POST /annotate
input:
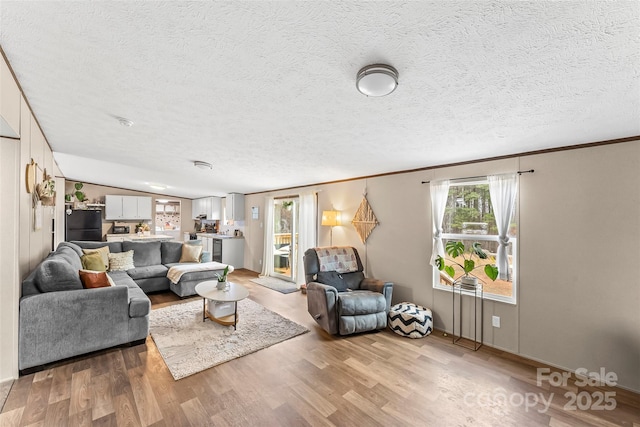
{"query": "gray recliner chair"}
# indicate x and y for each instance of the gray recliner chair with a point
(345, 302)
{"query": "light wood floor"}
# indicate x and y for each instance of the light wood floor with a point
(311, 380)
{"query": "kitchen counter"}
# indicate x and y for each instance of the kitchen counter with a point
(136, 238)
(218, 236)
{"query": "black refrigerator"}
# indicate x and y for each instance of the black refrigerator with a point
(83, 224)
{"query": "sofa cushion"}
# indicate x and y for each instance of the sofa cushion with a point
(77, 249)
(144, 253)
(113, 246)
(94, 279)
(191, 253)
(69, 255)
(170, 252)
(198, 275)
(104, 253)
(121, 261)
(93, 261)
(148, 272)
(55, 274)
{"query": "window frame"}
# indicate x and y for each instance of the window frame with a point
(513, 243)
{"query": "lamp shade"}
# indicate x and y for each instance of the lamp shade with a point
(330, 218)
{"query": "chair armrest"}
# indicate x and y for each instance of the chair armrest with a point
(375, 285)
(321, 304)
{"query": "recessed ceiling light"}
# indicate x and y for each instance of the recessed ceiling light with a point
(125, 122)
(202, 165)
(157, 187)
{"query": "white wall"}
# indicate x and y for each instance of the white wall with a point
(578, 294)
(21, 247)
(9, 276)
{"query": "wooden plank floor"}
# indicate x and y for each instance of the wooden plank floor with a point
(374, 379)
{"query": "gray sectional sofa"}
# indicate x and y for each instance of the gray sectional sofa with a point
(61, 319)
(152, 261)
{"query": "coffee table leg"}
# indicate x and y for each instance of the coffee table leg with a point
(204, 309)
(235, 315)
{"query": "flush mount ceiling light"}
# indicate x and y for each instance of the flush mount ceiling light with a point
(125, 122)
(202, 165)
(377, 80)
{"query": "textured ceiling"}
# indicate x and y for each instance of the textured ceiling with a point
(266, 90)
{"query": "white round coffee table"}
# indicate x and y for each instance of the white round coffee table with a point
(219, 299)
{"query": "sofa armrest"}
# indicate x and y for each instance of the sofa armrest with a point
(321, 304)
(375, 285)
(206, 256)
(58, 325)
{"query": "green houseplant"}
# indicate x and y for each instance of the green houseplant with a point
(470, 257)
(80, 196)
(222, 278)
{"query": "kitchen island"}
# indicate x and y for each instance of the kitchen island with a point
(224, 248)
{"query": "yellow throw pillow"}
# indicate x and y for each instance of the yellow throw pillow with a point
(93, 261)
(191, 253)
(121, 261)
(103, 251)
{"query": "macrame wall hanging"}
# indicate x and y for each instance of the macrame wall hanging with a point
(364, 220)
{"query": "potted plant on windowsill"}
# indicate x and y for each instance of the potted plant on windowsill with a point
(222, 279)
(455, 250)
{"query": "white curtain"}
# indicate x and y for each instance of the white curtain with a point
(439, 193)
(307, 226)
(267, 253)
(503, 189)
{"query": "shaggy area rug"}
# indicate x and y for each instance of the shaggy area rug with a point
(276, 284)
(188, 345)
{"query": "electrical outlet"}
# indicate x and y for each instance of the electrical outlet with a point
(495, 321)
(260, 262)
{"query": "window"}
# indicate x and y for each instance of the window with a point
(167, 215)
(469, 217)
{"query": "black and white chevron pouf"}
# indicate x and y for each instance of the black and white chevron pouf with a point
(410, 320)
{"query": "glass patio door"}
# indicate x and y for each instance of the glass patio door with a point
(285, 237)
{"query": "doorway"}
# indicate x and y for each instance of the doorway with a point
(285, 237)
(168, 218)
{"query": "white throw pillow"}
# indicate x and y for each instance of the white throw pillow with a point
(121, 261)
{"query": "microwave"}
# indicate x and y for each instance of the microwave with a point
(121, 229)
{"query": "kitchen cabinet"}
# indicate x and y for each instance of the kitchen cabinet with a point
(234, 207)
(207, 242)
(199, 207)
(233, 252)
(127, 207)
(225, 250)
(209, 206)
(216, 208)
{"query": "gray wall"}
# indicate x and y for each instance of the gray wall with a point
(578, 293)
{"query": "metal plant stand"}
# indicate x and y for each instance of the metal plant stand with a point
(474, 292)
